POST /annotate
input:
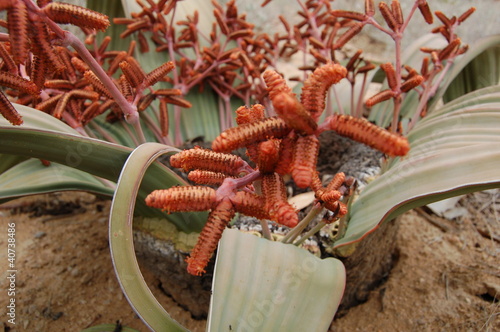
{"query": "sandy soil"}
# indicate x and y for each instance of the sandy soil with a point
(447, 277)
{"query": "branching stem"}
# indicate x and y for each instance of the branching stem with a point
(68, 38)
(294, 232)
(310, 233)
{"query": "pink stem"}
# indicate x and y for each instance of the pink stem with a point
(229, 186)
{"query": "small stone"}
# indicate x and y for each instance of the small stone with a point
(56, 315)
(86, 279)
(493, 290)
(75, 272)
(40, 234)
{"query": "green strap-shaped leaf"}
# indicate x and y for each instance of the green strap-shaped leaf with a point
(477, 68)
(121, 239)
(36, 119)
(481, 96)
(482, 71)
(31, 177)
(42, 136)
(421, 181)
(261, 285)
(98, 158)
(32, 119)
(453, 151)
(9, 161)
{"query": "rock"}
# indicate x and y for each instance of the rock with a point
(40, 234)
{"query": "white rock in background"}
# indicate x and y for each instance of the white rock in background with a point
(448, 208)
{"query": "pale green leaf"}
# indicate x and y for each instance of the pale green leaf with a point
(9, 161)
(43, 136)
(421, 181)
(453, 151)
(32, 119)
(487, 49)
(261, 285)
(118, 132)
(31, 177)
(203, 118)
(122, 243)
(482, 96)
(482, 71)
(36, 119)
(109, 328)
(97, 157)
